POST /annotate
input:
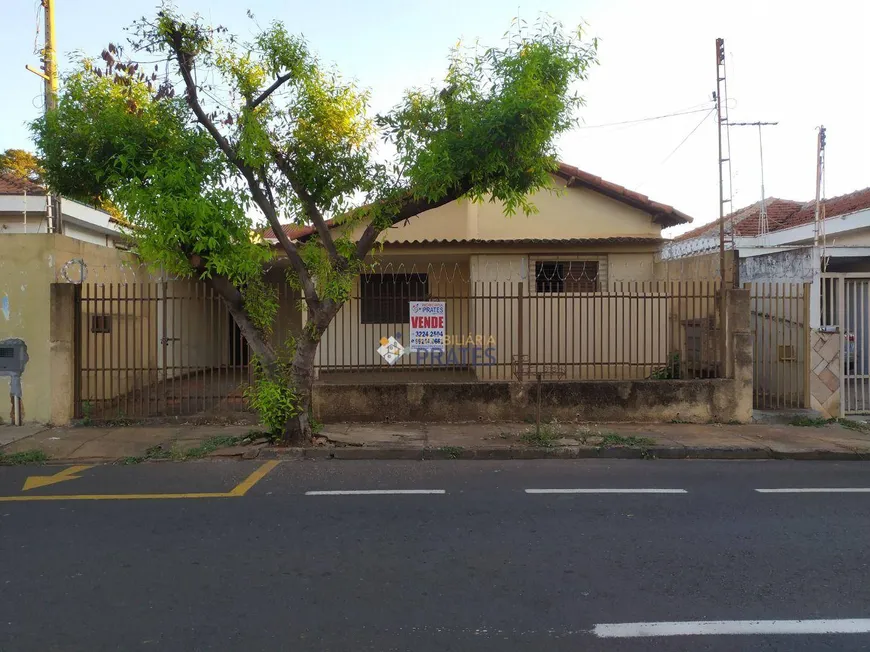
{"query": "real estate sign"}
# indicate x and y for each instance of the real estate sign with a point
(428, 321)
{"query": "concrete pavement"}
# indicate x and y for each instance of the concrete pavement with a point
(305, 561)
(78, 445)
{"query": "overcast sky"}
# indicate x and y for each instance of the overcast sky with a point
(797, 62)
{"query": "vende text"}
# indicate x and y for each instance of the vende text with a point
(436, 321)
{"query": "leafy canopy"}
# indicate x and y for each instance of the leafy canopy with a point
(223, 129)
(21, 164)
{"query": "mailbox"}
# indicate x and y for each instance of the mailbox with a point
(13, 355)
(13, 358)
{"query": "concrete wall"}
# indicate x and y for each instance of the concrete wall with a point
(29, 264)
(697, 401)
(792, 266)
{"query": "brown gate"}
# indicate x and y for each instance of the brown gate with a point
(157, 349)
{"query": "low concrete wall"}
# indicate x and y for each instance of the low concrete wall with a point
(721, 399)
(696, 401)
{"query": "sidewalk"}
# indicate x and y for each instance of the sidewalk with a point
(132, 444)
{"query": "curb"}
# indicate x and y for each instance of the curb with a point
(562, 452)
(503, 454)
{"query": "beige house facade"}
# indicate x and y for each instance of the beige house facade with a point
(573, 291)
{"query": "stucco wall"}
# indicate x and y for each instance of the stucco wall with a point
(792, 266)
(29, 264)
(561, 213)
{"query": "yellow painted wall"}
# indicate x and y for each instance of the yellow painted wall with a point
(562, 213)
(570, 213)
(29, 263)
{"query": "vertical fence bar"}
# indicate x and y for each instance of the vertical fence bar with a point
(86, 336)
(520, 331)
(102, 391)
(77, 351)
(129, 324)
(807, 342)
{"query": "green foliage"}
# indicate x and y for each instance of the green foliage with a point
(493, 126)
(21, 458)
(671, 371)
(273, 397)
(811, 422)
(261, 304)
(116, 142)
(21, 164)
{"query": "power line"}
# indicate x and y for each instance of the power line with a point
(655, 117)
(683, 142)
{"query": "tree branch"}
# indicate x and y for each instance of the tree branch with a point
(253, 104)
(312, 212)
(185, 61)
(234, 302)
(408, 208)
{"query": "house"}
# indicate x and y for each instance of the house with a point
(86, 247)
(833, 259)
(519, 293)
(23, 210)
(460, 312)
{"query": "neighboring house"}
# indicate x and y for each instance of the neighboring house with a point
(23, 210)
(833, 260)
(86, 247)
(787, 251)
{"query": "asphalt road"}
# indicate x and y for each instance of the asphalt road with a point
(482, 566)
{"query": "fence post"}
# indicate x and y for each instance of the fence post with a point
(808, 289)
(62, 352)
(520, 331)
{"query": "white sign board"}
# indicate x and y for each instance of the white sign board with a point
(428, 320)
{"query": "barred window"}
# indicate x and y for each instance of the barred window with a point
(384, 298)
(567, 276)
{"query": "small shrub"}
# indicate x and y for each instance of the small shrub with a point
(273, 398)
(453, 452)
(669, 372)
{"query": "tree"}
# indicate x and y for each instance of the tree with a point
(221, 127)
(21, 164)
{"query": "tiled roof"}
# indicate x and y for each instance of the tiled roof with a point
(782, 214)
(662, 213)
(12, 185)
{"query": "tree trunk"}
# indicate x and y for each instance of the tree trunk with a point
(297, 431)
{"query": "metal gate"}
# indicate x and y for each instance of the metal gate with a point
(854, 352)
(780, 316)
(157, 349)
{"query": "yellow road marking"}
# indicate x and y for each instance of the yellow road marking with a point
(238, 491)
(245, 485)
(36, 481)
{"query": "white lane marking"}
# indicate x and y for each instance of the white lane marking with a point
(376, 492)
(816, 490)
(606, 491)
(741, 627)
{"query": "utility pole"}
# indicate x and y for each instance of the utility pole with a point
(819, 223)
(49, 76)
(722, 120)
(763, 225)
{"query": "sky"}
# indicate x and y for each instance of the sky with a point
(799, 63)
